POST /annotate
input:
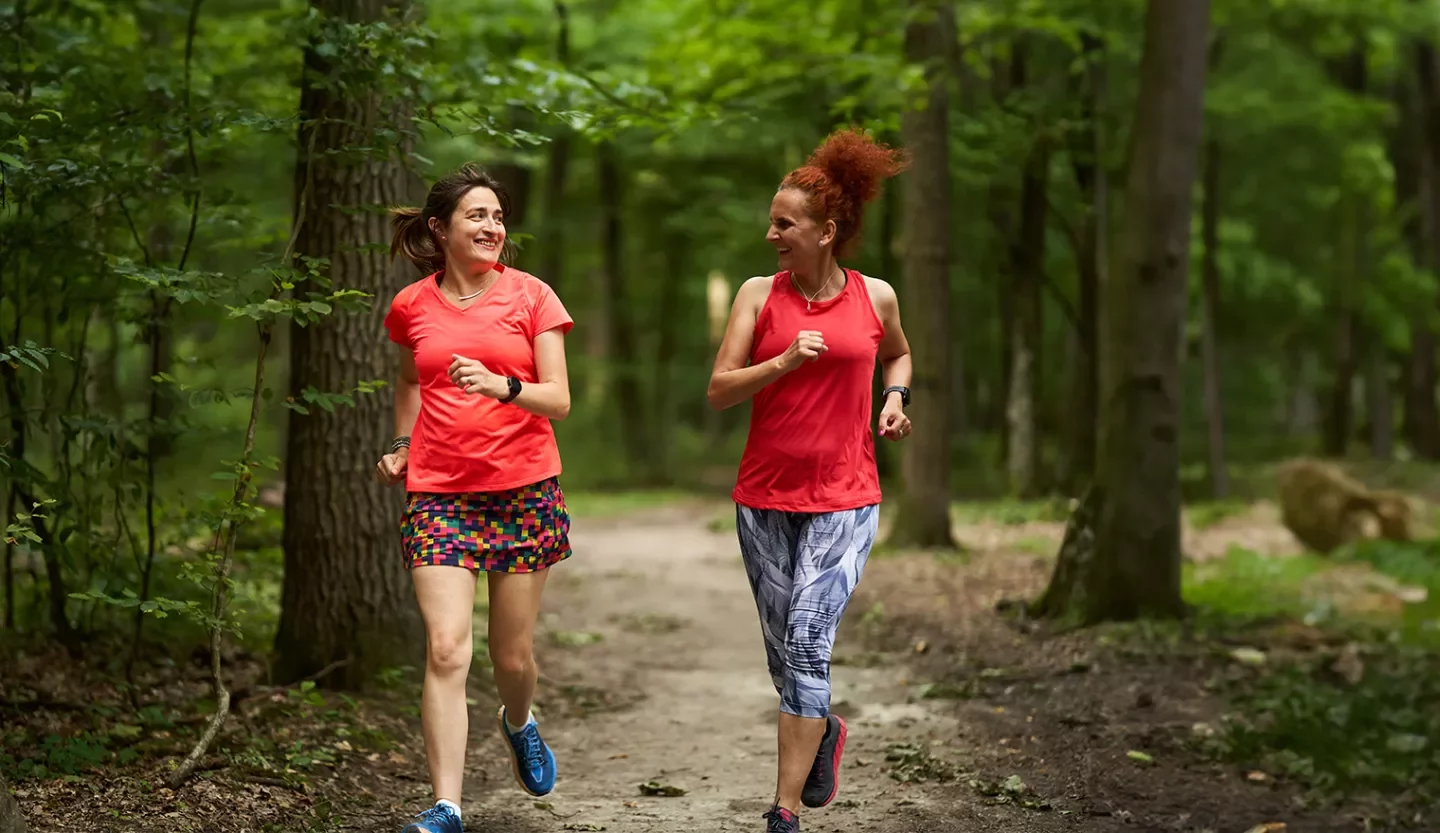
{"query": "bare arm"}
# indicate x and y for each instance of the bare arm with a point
(392, 466)
(894, 353)
(548, 396)
(407, 394)
(733, 380)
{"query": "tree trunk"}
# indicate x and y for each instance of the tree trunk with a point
(923, 514)
(1340, 416)
(1340, 419)
(1210, 231)
(1421, 103)
(624, 357)
(1002, 222)
(671, 320)
(1093, 178)
(1134, 509)
(1027, 274)
(1378, 399)
(1414, 179)
(11, 821)
(346, 594)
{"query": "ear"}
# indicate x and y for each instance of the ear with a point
(828, 232)
(434, 225)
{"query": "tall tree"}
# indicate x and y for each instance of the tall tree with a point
(1121, 554)
(622, 349)
(1350, 73)
(1027, 275)
(1210, 305)
(1422, 422)
(1093, 178)
(1414, 182)
(923, 517)
(346, 597)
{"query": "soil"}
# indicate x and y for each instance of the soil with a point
(654, 680)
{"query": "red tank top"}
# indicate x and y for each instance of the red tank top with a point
(810, 447)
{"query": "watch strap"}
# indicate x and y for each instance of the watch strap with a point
(514, 389)
(901, 389)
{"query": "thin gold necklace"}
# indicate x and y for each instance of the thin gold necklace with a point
(810, 298)
(477, 293)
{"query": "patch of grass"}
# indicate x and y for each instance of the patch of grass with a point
(1208, 513)
(1416, 564)
(722, 522)
(1037, 546)
(609, 504)
(1246, 584)
(574, 639)
(1380, 735)
(1365, 728)
(651, 623)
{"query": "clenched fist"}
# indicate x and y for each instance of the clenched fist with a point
(472, 376)
(894, 425)
(391, 468)
(807, 347)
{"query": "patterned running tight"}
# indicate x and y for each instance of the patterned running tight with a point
(802, 568)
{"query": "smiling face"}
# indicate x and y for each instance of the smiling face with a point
(799, 239)
(475, 235)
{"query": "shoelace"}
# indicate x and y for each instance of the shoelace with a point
(534, 756)
(778, 822)
(818, 766)
(439, 815)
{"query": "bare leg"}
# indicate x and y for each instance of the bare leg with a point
(447, 604)
(799, 741)
(514, 606)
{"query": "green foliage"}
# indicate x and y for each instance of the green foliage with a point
(1378, 735)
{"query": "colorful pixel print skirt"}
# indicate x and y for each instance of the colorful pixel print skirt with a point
(513, 531)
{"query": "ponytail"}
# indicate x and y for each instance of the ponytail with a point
(411, 226)
(412, 236)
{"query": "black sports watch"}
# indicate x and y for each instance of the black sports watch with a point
(514, 389)
(904, 394)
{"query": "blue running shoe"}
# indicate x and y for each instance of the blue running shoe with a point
(438, 819)
(533, 760)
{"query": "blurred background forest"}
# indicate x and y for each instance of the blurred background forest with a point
(194, 263)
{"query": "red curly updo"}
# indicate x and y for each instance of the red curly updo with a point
(842, 175)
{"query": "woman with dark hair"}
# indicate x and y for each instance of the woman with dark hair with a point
(803, 343)
(482, 374)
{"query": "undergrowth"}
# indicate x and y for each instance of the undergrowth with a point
(1355, 715)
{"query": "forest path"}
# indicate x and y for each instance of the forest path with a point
(650, 639)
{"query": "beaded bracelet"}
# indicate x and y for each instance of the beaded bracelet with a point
(399, 443)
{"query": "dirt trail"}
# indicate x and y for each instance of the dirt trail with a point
(680, 658)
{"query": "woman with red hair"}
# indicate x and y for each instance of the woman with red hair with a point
(803, 343)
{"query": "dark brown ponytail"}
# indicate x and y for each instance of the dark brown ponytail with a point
(412, 236)
(411, 226)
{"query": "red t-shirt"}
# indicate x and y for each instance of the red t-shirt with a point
(469, 442)
(810, 447)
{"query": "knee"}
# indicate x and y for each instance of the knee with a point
(449, 653)
(808, 657)
(511, 659)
